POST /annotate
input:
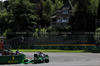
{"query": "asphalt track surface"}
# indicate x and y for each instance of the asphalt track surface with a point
(66, 59)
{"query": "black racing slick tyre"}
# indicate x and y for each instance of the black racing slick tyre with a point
(25, 61)
(35, 62)
(46, 60)
(35, 55)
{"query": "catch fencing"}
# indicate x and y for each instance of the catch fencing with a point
(64, 41)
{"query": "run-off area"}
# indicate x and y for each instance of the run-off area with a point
(69, 59)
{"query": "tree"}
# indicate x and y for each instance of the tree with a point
(46, 9)
(3, 19)
(98, 15)
(73, 2)
(22, 15)
(39, 9)
(58, 4)
(1, 6)
(85, 15)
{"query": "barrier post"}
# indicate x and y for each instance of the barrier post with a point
(19, 47)
(75, 48)
(57, 47)
(50, 47)
(84, 47)
(67, 48)
(28, 46)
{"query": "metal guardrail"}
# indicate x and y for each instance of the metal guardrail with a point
(61, 47)
(69, 47)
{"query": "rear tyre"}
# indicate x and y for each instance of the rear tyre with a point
(25, 61)
(46, 60)
(35, 55)
(35, 60)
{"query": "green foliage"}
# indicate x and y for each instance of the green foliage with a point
(68, 27)
(58, 4)
(74, 2)
(98, 30)
(3, 21)
(48, 7)
(1, 6)
(22, 15)
(49, 10)
(85, 16)
(36, 32)
(52, 31)
(93, 7)
(98, 13)
(45, 11)
(43, 32)
(97, 35)
(40, 32)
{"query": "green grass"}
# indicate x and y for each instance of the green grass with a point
(34, 50)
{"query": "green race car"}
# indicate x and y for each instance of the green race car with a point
(39, 57)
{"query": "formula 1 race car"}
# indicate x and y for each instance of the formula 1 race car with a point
(39, 57)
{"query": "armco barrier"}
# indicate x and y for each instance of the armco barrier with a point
(87, 47)
(32, 47)
(24, 46)
(96, 48)
(15, 47)
(54, 47)
(38, 47)
(62, 47)
(46, 47)
(81, 47)
(69, 47)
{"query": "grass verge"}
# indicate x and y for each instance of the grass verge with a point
(34, 50)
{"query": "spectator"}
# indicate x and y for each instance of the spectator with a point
(17, 52)
(0, 53)
(1, 48)
(22, 39)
